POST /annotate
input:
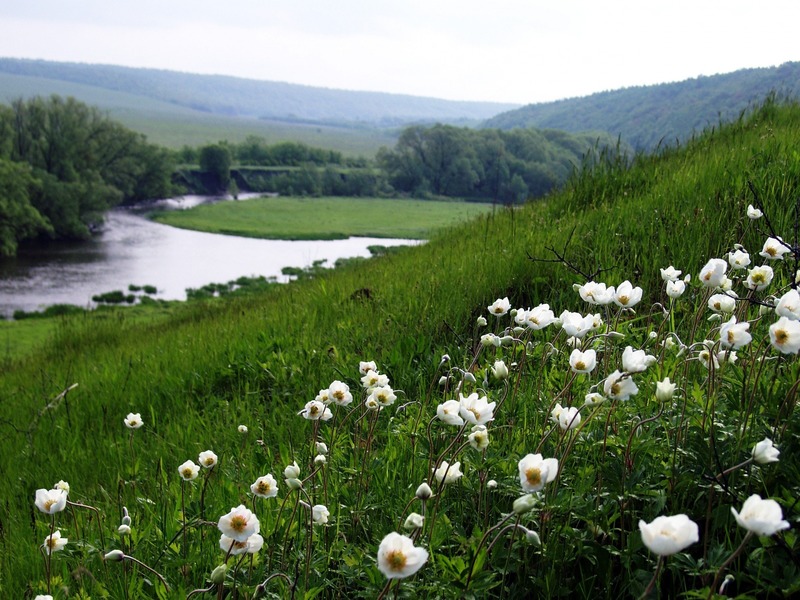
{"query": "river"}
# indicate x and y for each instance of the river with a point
(133, 250)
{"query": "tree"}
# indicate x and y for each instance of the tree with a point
(215, 161)
(19, 219)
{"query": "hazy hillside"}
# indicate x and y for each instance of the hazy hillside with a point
(232, 96)
(647, 115)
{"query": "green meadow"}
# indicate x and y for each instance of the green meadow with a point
(548, 508)
(291, 218)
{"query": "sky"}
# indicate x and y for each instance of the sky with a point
(513, 51)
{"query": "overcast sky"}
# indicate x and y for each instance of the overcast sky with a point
(502, 50)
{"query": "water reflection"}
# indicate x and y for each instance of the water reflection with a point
(133, 250)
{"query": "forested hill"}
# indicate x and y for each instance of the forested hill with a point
(232, 96)
(645, 116)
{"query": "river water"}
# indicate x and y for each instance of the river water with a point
(134, 250)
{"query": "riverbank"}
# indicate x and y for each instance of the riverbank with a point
(326, 218)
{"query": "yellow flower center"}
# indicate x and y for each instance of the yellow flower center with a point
(48, 504)
(187, 473)
(758, 278)
(397, 560)
(263, 487)
(534, 476)
(731, 337)
(781, 336)
(615, 389)
(623, 300)
(313, 410)
(771, 250)
(238, 523)
(580, 366)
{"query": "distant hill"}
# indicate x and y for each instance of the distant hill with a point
(238, 97)
(645, 116)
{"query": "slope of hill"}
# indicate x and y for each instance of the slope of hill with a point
(648, 115)
(200, 375)
(233, 96)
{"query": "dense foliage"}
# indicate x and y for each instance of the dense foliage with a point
(260, 361)
(501, 166)
(62, 164)
(646, 116)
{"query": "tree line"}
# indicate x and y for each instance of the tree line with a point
(63, 164)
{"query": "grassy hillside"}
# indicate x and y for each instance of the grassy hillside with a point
(258, 361)
(645, 116)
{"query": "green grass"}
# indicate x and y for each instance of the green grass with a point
(324, 218)
(211, 366)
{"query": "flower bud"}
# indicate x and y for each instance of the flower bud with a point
(242, 428)
(443, 380)
(481, 321)
(424, 491)
(491, 484)
(115, 556)
(320, 459)
(532, 537)
(124, 529)
(322, 448)
(294, 483)
(469, 377)
(500, 370)
(413, 521)
(524, 503)
(292, 471)
(218, 574)
(665, 390)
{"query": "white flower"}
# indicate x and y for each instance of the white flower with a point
(339, 393)
(320, 514)
(414, 521)
(753, 213)
(43, 597)
(784, 335)
(762, 517)
(62, 485)
(240, 523)
(575, 324)
(626, 295)
(593, 398)
(320, 459)
(188, 470)
(500, 370)
(265, 486)
(667, 535)
(366, 366)
(734, 335)
(372, 404)
(242, 428)
(374, 379)
(292, 471)
(636, 361)
(670, 273)
(490, 339)
(739, 259)
(596, 293)
(475, 409)
(764, 452)
(448, 412)
(566, 417)
(207, 459)
(617, 386)
(322, 447)
(759, 277)
(448, 473)
(491, 484)
(789, 305)
(398, 557)
(665, 390)
(384, 395)
(675, 289)
(133, 421)
(499, 307)
(583, 362)
(234, 547)
(316, 411)
(713, 273)
(774, 249)
(54, 542)
(539, 317)
(705, 356)
(722, 303)
(479, 437)
(535, 472)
